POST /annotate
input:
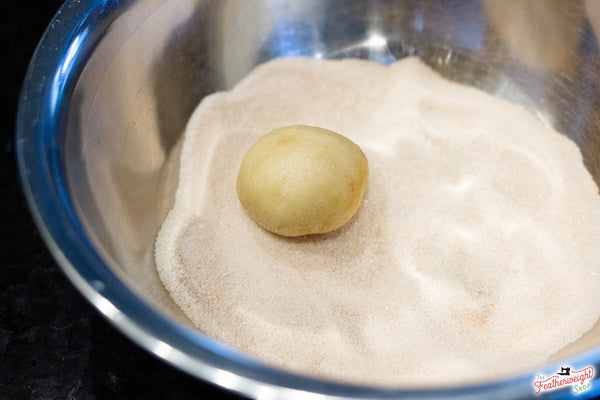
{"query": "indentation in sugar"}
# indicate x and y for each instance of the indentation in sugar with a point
(474, 253)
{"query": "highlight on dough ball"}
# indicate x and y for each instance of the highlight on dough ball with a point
(300, 180)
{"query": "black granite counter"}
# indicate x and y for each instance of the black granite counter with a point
(53, 344)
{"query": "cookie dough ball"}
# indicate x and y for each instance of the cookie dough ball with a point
(300, 180)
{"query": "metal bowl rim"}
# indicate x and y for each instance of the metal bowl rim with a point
(52, 74)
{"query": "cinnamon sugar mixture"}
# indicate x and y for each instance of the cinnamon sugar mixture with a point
(475, 252)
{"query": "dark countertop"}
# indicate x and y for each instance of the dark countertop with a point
(53, 344)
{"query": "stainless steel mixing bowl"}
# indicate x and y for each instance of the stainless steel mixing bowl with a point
(112, 84)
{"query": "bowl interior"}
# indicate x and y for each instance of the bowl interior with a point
(155, 60)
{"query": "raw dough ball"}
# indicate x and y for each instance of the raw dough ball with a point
(300, 179)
